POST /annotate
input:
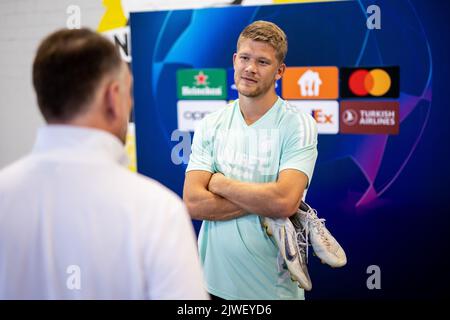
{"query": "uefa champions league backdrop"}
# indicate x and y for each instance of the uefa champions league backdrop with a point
(381, 175)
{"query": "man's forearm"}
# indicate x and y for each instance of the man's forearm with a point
(210, 206)
(262, 198)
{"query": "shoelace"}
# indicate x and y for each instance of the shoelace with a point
(319, 223)
(302, 235)
(303, 242)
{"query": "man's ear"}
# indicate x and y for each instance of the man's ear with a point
(280, 71)
(234, 59)
(112, 101)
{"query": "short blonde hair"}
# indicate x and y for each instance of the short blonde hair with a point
(269, 33)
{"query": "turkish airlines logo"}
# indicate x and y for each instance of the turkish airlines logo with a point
(370, 82)
(369, 117)
(350, 117)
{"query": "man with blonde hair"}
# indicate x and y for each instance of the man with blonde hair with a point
(250, 166)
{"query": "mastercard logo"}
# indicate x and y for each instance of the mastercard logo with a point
(370, 82)
(375, 82)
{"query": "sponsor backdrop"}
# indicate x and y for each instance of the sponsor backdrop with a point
(368, 85)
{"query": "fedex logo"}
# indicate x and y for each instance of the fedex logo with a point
(326, 113)
(321, 117)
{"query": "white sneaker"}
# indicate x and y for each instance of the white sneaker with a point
(292, 247)
(324, 244)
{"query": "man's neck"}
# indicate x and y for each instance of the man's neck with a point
(92, 120)
(254, 108)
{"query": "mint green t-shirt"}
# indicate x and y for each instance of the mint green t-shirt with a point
(239, 259)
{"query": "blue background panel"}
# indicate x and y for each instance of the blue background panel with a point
(384, 197)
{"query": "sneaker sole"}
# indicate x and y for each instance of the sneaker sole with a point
(294, 279)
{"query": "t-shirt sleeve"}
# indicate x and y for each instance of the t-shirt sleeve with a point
(300, 145)
(201, 157)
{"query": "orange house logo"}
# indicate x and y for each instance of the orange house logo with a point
(310, 83)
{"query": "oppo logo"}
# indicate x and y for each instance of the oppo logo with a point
(195, 115)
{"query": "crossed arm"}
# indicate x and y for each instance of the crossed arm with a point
(215, 197)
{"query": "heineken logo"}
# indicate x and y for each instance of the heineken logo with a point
(201, 79)
(195, 84)
(187, 91)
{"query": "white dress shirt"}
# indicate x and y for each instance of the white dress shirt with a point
(76, 224)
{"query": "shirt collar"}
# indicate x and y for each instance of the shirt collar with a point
(275, 106)
(73, 140)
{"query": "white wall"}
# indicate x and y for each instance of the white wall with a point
(23, 24)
